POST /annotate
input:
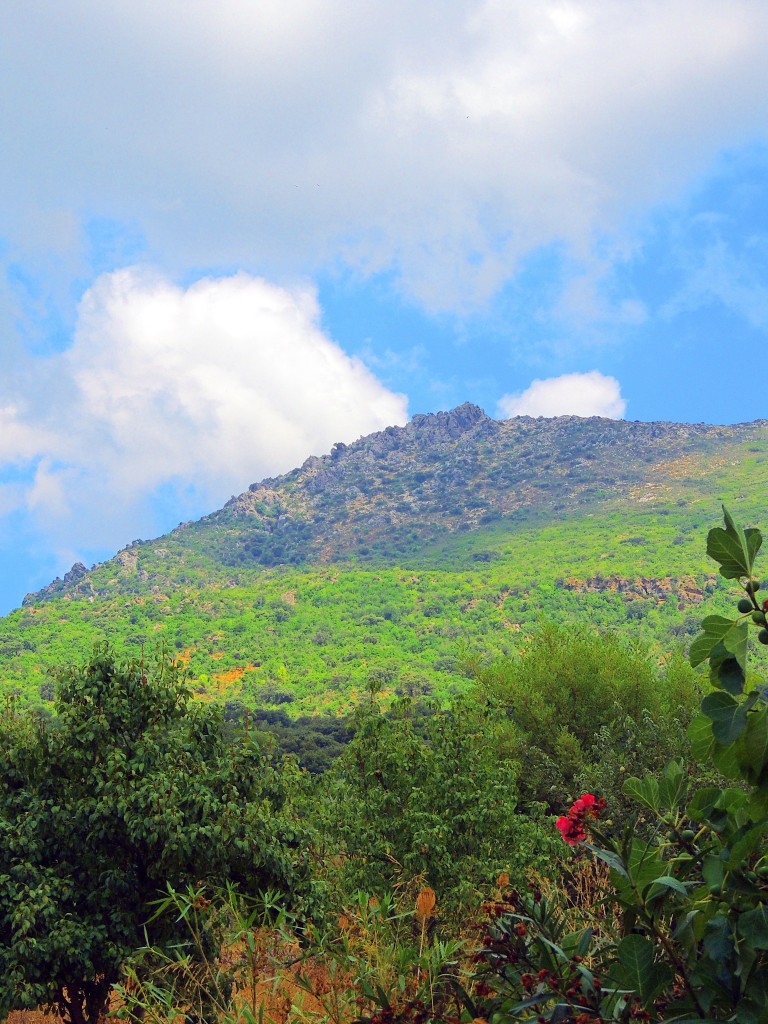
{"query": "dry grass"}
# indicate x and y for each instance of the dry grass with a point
(32, 1017)
(582, 898)
(276, 985)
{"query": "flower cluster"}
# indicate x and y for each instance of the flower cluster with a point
(572, 826)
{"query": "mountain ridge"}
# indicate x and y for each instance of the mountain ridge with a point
(401, 488)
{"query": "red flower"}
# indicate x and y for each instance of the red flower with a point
(572, 826)
(571, 830)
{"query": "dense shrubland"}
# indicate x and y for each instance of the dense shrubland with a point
(312, 641)
(422, 875)
(427, 798)
(308, 639)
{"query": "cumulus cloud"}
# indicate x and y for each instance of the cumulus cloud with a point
(444, 141)
(572, 394)
(201, 389)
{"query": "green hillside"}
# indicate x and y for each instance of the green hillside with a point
(396, 559)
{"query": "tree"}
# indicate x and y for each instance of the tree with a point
(580, 708)
(131, 787)
(425, 797)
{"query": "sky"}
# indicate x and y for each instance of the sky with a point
(235, 233)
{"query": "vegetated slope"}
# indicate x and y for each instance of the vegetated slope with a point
(387, 559)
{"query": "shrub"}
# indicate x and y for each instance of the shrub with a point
(425, 797)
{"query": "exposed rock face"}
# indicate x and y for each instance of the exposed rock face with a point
(448, 425)
(684, 589)
(60, 587)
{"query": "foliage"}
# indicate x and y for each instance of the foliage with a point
(416, 802)
(129, 788)
(308, 641)
(581, 708)
(382, 957)
(314, 740)
(427, 798)
(531, 966)
(694, 895)
(552, 504)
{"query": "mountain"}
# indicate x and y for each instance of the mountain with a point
(389, 558)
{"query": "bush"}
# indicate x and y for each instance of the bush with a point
(692, 896)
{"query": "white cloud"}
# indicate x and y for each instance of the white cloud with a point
(21, 441)
(203, 390)
(445, 141)
(572, 394)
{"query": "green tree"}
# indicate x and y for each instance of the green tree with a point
(425, 797)
(581, 708)
(131, 787)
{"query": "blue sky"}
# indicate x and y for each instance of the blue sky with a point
(232, 234)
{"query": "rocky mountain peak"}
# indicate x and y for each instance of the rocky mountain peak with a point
(451, 423)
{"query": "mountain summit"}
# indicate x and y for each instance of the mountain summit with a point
(395, 494)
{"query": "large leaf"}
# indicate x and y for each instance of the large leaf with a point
(729, 717)
(756, 741)
(733, 548)
(645, 791)
(614, 862)
(731, 633)
(713, 871)
(726, 760)
(661, 886)
(715, 805)
(701, 737)
(718, 946)
(703, 802)
(644, 865)
(727, 674)
(672, 788)
(747, 844)
(753, 925)
(636, 968)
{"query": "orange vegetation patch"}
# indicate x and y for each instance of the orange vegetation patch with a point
(231, 675)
